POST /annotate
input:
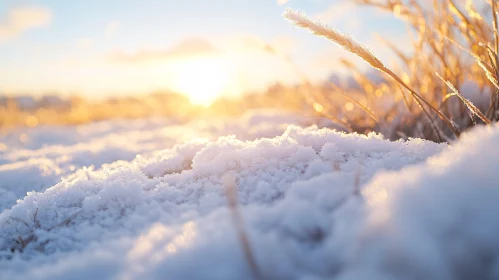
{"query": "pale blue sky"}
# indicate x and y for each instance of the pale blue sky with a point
(71, 46)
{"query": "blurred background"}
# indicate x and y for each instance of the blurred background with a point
(65, 54)
(66, 62)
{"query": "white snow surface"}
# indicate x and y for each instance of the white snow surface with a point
(313, 202)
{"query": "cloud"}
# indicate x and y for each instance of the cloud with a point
(85, 43)
(245, 42)
(336, 11)
(19, 20)
(111, 28)
(187, 48)
(284, 43)
(282, 2)
(281, 44)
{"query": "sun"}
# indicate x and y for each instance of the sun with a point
(203, 80)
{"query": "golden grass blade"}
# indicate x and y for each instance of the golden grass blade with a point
(466, 102)
(488, 73)
(334, 35)
(492, 58)
(488, 69)
(495, 27)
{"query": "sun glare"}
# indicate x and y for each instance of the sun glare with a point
(203, 80)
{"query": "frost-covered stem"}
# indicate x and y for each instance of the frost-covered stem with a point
(230, 185)
(349, 44)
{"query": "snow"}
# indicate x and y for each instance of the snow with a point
(54, 152)
(315, 203)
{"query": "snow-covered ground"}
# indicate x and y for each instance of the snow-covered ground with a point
(313, 203)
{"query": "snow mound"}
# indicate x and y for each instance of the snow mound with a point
(435, 220)
(310, 206)
(48, 154)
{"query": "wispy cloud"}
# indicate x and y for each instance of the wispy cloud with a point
(336, 11)
(248, 42)
(111, 28)
(186, 48)
(19, 20)
(282, 2)
(85, 43)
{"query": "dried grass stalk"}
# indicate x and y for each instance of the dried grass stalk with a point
(334, 35)
(466, 102)
(349, 44)
(229, 182)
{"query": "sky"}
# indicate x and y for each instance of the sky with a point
(99, 48)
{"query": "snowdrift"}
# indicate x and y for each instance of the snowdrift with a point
(315, 204)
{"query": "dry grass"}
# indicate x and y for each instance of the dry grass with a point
(80, 111)
(30, 237)
(229, 182)
(450, 47)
